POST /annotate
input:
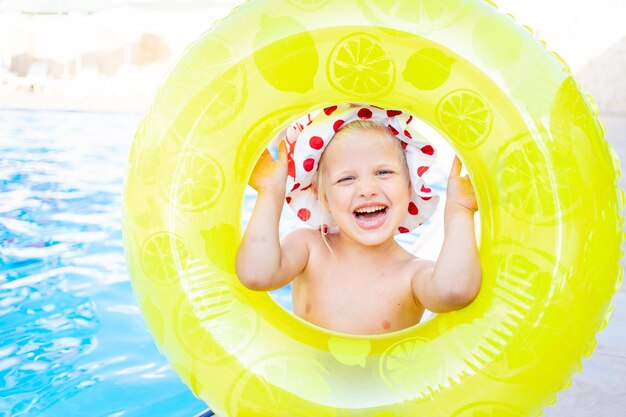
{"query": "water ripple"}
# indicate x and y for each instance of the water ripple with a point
(71, 335)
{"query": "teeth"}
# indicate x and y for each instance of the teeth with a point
(369, 209)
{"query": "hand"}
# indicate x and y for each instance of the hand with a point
(460, 191)
(269, 174)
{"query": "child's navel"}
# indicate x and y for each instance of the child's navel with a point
(386, 324)
(308, 308)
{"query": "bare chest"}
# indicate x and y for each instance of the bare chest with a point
(365, 297)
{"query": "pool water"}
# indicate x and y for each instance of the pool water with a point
(72, 339)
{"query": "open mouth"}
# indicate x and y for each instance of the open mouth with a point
(371, 217)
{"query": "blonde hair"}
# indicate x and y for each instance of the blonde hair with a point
(352, 127)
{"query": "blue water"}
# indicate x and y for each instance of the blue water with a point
(72, 339)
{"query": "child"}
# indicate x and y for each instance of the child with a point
(355, 174)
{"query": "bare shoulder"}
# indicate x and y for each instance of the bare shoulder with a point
(303, 235)
(421, 273)
(421, 268)
(301, 240)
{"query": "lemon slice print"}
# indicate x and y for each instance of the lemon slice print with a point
(261, 132)
(194, 182)
(539, 186)
(212, 108)
(284, 380)
(209, 58)
(162, 256)
(571, 115)
(360, 65)
(574, 116)
(219, 329)
(221, 101)
(404, 365)
(465, 118)
(413, 16)
(208, 84)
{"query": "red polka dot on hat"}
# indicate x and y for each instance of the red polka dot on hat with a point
(330, 110)
(337, 125)
(316, 142)
(308, 164)
(304, 214)
(365, 113)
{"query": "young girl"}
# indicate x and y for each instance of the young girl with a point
(354, 173)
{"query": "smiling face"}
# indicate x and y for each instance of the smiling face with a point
(364, 184)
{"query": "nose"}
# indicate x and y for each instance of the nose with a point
(368, 187)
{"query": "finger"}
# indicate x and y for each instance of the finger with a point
(282, 151)
(455, 170)
(265, 157)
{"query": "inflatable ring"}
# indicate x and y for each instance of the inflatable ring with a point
(544, 176)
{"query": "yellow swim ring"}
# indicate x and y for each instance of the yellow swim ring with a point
(545, 179)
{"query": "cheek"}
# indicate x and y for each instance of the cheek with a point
(339, 198)
(327, 198)
(407, 187)
(403, 192)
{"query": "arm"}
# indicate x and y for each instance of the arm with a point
(262, 264)
(454, 280)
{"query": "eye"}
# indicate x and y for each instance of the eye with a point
(384, 172)
(344, 179)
